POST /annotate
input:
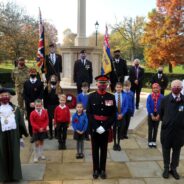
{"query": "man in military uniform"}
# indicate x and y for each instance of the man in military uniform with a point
(161, 79)
(19, 75)
(83, 71)
(101, 111)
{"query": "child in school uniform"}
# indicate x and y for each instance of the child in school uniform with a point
(153, 107)
(79, 124)
(61, 121)
(83, 98)
(39, 121)
(131, 108)
(122, 107)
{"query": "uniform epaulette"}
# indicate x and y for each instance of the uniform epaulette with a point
(110, 92)
(91, 92)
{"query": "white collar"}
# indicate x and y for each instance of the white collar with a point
(174, 96)
(39, 112)
(62, 107)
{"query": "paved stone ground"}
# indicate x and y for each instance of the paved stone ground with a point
(135, 164)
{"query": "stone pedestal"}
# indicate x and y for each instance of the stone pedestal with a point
(70, 55)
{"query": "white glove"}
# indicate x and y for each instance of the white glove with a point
(100, 130)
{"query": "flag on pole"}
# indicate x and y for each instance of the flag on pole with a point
(106, 58)
(41, 44)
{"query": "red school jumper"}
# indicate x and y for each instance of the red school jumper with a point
(62, 114)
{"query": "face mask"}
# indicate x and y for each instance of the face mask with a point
(83, 57)
(102, 87)
(53, 82)
(117, 56)
(33, 76)
(21, 64)
(176, 90)
(160, 71)
(5, 100)
(136, 65)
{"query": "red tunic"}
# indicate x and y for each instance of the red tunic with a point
(62, 115)
(39, 121)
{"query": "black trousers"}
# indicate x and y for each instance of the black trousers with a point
(117, 131)
(99, 150)
(126, 124)
(137, 92)
(51, 109)
(152, 129)
(61, 129)
(173, 162)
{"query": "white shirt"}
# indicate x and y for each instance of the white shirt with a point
(33, 80)
(83, 61)
(116, 60)
(53, 58)
(159, 75)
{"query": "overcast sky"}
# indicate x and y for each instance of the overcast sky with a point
(63, 13)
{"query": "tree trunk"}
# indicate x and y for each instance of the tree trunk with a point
(170, 68)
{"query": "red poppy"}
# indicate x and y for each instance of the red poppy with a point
(76, 120)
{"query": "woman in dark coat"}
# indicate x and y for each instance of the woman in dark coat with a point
(12, 128)
(51, 100)
(172, 129)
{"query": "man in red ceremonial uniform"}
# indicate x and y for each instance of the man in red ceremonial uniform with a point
(101, 111)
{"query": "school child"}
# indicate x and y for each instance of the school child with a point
(61, 121)
(79, 124)
(131, 108)
(153, 107)
(122, 107)
(83, 98)
(39, 121)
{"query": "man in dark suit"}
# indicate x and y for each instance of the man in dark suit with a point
(119, 70)
(136, 76)
(161, 79)
(53, 64)
(101, 111)
(83, 71)
(172, 128)
(33, 89)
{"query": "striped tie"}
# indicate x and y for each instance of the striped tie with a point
(119, 104)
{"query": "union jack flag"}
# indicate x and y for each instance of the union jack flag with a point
(41, 44)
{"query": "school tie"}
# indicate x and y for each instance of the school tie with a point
(119, 104)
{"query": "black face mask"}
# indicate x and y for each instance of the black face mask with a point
(53, 82)
(117, 56)
(32, 76)
(160, 71)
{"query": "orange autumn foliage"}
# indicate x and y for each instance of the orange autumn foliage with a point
(164, 34)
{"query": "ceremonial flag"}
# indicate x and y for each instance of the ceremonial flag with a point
(106, 58)
(41, 44)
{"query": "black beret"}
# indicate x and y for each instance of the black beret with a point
(52, 45)
(7, 90)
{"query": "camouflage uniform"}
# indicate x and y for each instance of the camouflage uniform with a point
(19, 76)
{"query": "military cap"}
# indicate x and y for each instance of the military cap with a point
(117, 51)
(102, 78)
(52, 45)
(7, 90)
(83, 51)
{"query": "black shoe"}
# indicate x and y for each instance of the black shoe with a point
(118, 147)
(51, 137)
(115, 148)
(103, 174)
(125, 137)
(175, 174)
(95, 174)
(137, 107)
(81, 155)
(77, 156)
(165, 174)
(31, 140)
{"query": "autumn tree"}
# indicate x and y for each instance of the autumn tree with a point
(164, 34)
(19, 33)
(69, 37)
(126, 35)
(92, 40)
